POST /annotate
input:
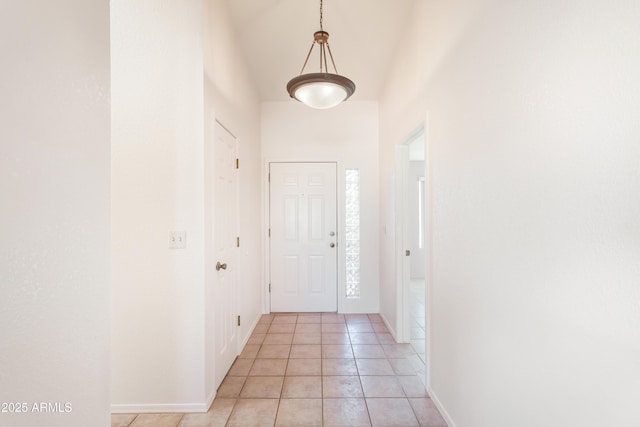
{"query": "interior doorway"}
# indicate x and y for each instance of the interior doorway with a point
(412, 237)
(416, 233)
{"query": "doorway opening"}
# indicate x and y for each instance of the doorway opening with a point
(412, 237)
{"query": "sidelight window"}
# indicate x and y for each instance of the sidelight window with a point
(352, 232)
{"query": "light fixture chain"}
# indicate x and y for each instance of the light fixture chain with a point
(321, 29)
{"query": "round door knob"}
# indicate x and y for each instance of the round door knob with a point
(221, 266)
(332, 245)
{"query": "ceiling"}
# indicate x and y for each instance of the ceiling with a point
(275, 36)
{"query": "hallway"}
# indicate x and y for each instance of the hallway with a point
(315, 370)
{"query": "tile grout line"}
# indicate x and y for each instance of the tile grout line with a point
(321, 378)
(284, 376)
(364, 398)
(134, 418)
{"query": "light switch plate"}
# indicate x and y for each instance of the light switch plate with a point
(177, 239)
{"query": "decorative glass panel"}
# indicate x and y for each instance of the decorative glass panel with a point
(352, 232)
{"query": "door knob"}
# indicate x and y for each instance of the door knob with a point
(332, 245)
(221, 266)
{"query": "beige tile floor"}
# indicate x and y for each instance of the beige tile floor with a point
(323, 369)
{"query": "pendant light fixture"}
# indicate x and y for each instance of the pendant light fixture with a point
(323, 89)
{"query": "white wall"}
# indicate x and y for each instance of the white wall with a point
(157, 185)
(347, 134)
(533, 147)
(175, 69)
(54, 214)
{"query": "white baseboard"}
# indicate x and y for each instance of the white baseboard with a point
(181, 407)
(443, 411)
(391, 330)
(251, 329)
(175, 408)
(210, 400)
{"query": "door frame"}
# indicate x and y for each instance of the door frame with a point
(266, 268)
(403, 266)
(402, 261)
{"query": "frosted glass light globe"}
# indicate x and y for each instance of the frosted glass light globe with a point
(321, 95)
(321, 90)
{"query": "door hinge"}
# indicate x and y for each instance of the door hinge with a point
(269, 177)
(269, 287)
(238, 242)
(238, 320)
(237, 163)
(269, 232)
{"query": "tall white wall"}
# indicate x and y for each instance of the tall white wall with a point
(347, 134)
(175, 70)
(157, 185)
(533, 152)
(54, 214)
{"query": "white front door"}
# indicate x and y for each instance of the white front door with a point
(225, 251)
(302, 217)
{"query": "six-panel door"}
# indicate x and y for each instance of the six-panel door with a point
(303, 238)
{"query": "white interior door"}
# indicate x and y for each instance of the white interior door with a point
(225, 251)
(302, 216)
